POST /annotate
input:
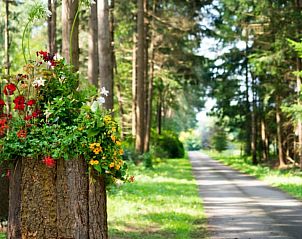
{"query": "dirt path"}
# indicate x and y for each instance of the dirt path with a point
(239, 206)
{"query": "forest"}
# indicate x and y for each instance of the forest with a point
(152, 65)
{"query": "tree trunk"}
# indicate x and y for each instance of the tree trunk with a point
(6, 38)
(121, 109)
(52, 25)
(69, 10)
(105, 51)
(93, 56)
(14, 222)
(247, 104)
(279, 133)
(139, 142)
(150, 84)
(134, 86)
(264, 141)
(56, 202)
(159, 113)
(253, 126)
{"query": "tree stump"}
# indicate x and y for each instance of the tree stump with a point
(56, 203)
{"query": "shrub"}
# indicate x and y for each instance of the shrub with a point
(167, 145)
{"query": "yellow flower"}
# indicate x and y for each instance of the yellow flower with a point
(117, 166)
(91, 146)
(80, 128)
(118, 143)
(107, 119)
(113, 138)
(121, 151)
(113, 129)
(93, 162)
(97, 150)
(111, 165)
(97, 145)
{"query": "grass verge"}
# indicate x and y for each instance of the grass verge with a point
(161, 203)
(289, 180)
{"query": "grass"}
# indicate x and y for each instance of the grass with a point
(289, 180)
(2, 236)
(161, 203)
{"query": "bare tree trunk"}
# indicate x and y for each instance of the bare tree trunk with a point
(69, 10)
(105, 51)
(93, 56)
(121, 108)
(264, 141)
(253, 126)
(159, 113)
(279, 133)
(6, 38)
(14, 219)
(150, 84)
(299, 124)
(139, 142)
(134, 86)
(52, 26)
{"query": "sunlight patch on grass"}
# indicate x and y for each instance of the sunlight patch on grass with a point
(161, 203)
(289, 180)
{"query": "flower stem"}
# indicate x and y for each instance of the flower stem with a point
(23, 38)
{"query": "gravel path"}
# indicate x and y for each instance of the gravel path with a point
(239, 206)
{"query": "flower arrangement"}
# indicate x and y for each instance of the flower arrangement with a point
(44, 116)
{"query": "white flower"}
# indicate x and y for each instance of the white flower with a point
(57, 57)
(104, 91)
(48, 13)
(94, 106)
(38, 83)
(101, 100)
(92, 2)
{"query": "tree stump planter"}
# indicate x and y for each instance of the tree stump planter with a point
(56, 203)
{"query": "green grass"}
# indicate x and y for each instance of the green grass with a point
(289, 180)
(2, 236)
(161, 203)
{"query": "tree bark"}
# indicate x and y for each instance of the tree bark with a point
(279, 133)
(121, 109)
(14, 220)
(139, 142)
(264, 141)
(93, 55)
(69, 10)
(6, 38)
(105, 51)
(134, 86)
(149, 97)
(52, 26)
(253, 126)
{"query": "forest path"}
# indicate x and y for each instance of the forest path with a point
(242, 207)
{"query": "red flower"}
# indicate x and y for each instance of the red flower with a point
(28, 117)
(2, 122)
(36, 113)
(22, 134)
(2, 103)
(19, 102)
(31, 102)
(49, 161)
(19, 99)
(9, 89)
